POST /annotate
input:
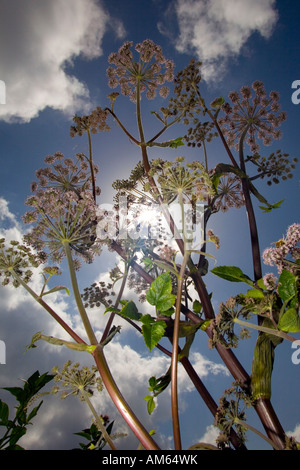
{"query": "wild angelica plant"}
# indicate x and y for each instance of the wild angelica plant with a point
(168, 275)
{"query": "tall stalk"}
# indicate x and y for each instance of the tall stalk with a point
(119, 401)
(84, 317)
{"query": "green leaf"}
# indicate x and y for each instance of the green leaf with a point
(289, 321)
(176, 143)
(130, 311)
(261, 283)
(287, 287)
(153, 330)
(150, 403)
(255, 294)
(197, 307)
(217, 102)
(232, 274)
(159, 294)
(271, 206)
(4, 413)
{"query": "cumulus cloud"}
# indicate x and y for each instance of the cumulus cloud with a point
(37, 41)
(217, 30)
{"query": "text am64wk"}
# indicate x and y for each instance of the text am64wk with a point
(150, 459)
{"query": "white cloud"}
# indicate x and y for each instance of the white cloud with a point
(37, 41)
(210, 435)
(295, 433)
(217, 30)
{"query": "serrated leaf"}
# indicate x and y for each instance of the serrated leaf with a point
(159, 294)
(130, 311)
(289, 321)
(232, 274)
(153, 332)
(287, 285)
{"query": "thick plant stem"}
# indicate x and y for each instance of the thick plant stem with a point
(85, 320)
(174, 362)
(120, 403)
(99, 422)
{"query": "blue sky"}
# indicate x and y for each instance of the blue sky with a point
(53, 66)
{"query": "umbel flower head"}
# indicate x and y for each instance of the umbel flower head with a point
(253, 115)
(76, 381)
(65, 174)
(230, 194)
(18, 258)
(63, 218)
(151, 70)
(191, 180)
(94, 122)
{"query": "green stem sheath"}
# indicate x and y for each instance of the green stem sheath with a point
(264, 329)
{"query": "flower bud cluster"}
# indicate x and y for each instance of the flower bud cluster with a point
(18, 258)
(151, 71)
(286, 252)
(252, 115)
(76, 381)
(94, 122)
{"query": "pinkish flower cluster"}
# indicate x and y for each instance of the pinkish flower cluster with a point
(230, 194)
(252, 115)
(149, 72)
(62, 217)
(285, 249)
(94, 122)
(65, 174)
